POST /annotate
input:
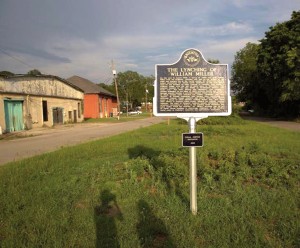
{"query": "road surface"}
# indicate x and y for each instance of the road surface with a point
(292, 126)
(43, 140)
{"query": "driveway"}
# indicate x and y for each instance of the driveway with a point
(41, 140)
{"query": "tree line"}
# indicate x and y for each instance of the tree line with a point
(266, 76)
(33, 72)
(133, 89)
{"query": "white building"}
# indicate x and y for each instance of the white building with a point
(29, 101)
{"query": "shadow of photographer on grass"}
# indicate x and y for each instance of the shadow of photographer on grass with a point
(152, 231)
(168, 167)
(105, 216)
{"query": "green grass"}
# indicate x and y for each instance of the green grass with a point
(132, 190)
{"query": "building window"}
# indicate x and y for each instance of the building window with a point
(45, 111)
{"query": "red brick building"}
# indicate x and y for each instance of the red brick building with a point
(98, 102)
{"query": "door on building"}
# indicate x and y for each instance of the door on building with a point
(57, 116)
(13, 115)
(75, 116)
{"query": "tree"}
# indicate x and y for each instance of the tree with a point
(244, 74)
(34, 72)
(278, 67)
(128, 86)
(108, 87)
(132, 88)
(267, 76)
(6, 73)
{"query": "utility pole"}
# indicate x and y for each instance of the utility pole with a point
(146, 99)
(116, 86)
(127, 103)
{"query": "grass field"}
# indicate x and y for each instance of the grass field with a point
(132, 190)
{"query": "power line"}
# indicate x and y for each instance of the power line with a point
(15, 58)
(108, 80)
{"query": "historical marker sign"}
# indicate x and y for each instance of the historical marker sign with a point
(192, 87)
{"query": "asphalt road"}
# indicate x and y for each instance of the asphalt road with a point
(292, 126)
(50, 139)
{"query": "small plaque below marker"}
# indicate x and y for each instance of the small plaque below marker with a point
(192, 139)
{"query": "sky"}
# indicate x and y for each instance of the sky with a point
(83, 37)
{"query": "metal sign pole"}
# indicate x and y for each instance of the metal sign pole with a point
(193, 170)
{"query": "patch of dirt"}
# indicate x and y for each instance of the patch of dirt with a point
(81, 205)
(159, 240)
(153, 190)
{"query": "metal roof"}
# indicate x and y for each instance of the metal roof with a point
(43, 76)
(88, 87)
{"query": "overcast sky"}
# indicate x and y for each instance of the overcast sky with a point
(81, 37)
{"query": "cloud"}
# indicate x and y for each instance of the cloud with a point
(135, 42)
(226, 50)
(227, 29)
(82, 37)
(157, 57)
(40, 54)
(230, 45)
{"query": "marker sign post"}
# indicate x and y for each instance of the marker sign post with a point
(192, 89)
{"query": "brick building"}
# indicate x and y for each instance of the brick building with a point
(98, 102)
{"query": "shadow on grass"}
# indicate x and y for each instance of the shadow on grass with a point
(158, 163)
(142, 151)
(105, 216)
(151, 230)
